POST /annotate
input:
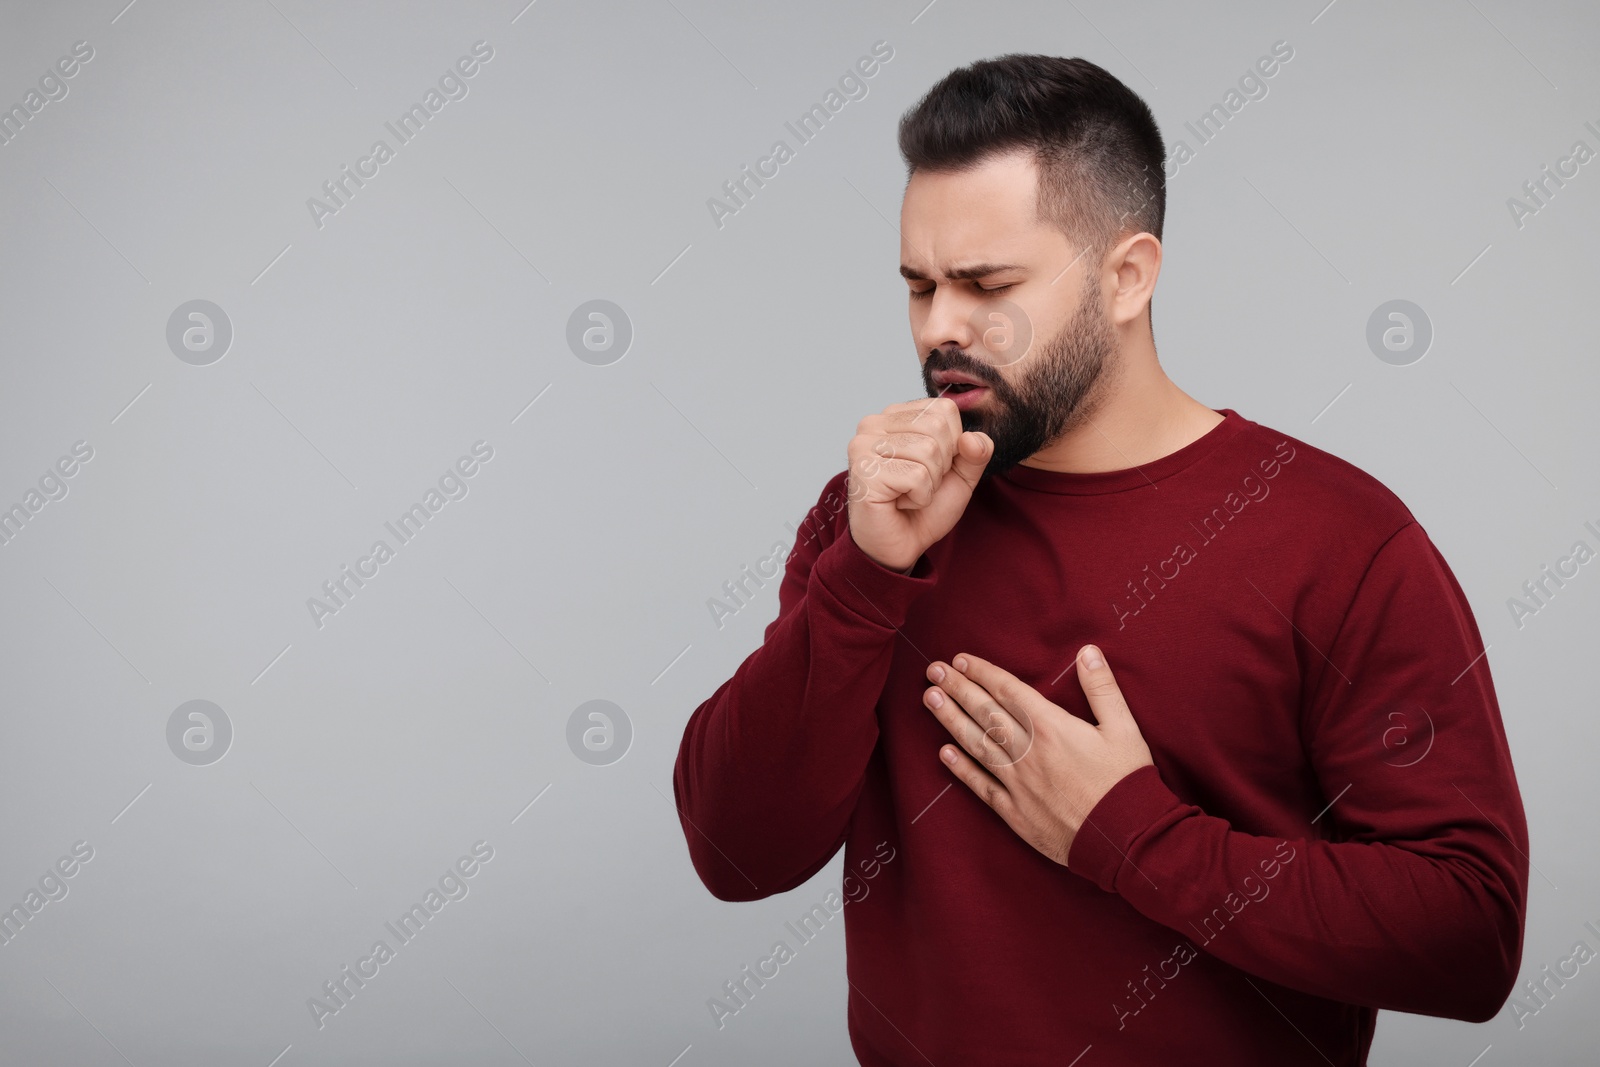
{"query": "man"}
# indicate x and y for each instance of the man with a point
(1179, 728)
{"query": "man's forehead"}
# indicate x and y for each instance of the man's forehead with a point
(1003, 182)
(970, 247)
(958, 222)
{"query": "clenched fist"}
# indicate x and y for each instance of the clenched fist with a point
(912, 471)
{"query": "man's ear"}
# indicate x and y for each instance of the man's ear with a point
(1136, 260)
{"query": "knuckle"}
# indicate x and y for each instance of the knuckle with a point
(923, 449)
(918, 472)
(971, 736)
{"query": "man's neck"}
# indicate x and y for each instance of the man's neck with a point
(1139, 416)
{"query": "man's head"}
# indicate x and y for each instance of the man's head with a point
(1031, 229)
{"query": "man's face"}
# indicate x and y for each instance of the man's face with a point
(1003, 299)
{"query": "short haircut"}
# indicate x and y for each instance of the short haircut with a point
(1102, 166)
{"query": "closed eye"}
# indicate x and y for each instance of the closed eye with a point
(923, 294)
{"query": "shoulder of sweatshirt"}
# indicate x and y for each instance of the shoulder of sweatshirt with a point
(1346, 505)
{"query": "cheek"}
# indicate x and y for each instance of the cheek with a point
(917, 315)
(1010, 377)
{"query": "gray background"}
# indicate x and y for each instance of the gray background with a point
(370, 353)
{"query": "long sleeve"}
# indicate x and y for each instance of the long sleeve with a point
(1409, 891)
(770, 766)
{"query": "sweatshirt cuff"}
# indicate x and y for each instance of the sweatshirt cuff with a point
(866, 587)
(1114, 825)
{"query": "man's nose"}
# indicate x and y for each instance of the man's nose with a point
(948, 324)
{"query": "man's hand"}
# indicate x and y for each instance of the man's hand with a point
(1041, 768)
(900, 498)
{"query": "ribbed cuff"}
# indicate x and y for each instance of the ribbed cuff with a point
(1115, 824)
(866, 587)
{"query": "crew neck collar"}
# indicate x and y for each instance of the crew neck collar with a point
(1096, 482)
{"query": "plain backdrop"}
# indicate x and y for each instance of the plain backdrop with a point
(373, 346)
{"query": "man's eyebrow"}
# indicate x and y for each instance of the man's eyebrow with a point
(972, 273)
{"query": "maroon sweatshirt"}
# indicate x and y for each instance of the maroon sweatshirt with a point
(1332, 824)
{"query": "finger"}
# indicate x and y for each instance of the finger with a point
(1022, 701)
(878, 442)
(1007, 736)
(940, 416)
(916, 482)
(883, 440)
(1015, 695)
(937, 418)
(906, 482)
(1100, 687)
(973, 450)
(985, 745)
(1016, 698)
(985, 785)
(918, 447)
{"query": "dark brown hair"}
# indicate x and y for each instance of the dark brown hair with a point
(1102, 166)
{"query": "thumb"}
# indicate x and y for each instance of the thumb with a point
(956, 487)
(973, 449)
(1100, 687)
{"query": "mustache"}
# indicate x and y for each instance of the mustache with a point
(947, 359)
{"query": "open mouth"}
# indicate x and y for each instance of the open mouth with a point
(960, 387)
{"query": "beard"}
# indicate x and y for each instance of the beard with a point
(1052, 392)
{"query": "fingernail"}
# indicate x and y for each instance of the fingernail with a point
(959, 663)
(935, 698)
(935, 673)
(947, 755)
(1092, 658)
